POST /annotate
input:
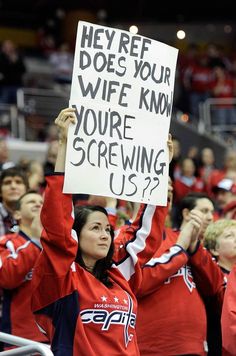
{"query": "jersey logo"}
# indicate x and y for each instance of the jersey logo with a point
(120, 316)
(186, 273)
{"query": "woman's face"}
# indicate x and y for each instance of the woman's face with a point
(95, 238)
(207, 156)
(188, 167)
(226, 243)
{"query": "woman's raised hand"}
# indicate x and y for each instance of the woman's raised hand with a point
(63, 120)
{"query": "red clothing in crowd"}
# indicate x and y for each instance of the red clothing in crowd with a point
(171, 312)
(215, 177)
(200, 76)
(228, 317)
(79, 313)
(18, 254)
(181, 189)
(229, 210)
(205, 174)
(223, 88)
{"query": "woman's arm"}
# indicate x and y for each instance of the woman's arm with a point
(54, 267)
(64, 119)
(137, 243)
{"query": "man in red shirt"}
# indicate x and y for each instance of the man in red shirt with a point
(13, 184)
(18, 254)
(172, 317)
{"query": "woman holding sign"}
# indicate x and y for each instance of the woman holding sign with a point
(84, 281)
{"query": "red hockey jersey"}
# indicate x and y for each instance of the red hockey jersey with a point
(18, 254)
(171, 312)
(228, 317)
(80, 314)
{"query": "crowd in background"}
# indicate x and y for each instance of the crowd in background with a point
(195, 183)
(203, 72)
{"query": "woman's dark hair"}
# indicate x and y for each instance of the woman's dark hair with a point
(100, 270)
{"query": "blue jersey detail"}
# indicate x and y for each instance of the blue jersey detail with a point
(64, 314)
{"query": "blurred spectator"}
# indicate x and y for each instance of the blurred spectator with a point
(216, 55)
(168, 222)
(186, 183)
(193, 153)
(52, 133)
(223, 87)
(228, 169)
(225, 198)
(189, 58)
(197, 81)
(13, 184)
(35, 173)
(206, 167)
(186, 60)
(230, 165)
(174, 169)
(62, 64)
(46, 41)
(51, 156)
(4, 155)
(12, 70)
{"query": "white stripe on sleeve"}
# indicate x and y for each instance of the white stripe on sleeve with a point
(166, 257)
(127, 268)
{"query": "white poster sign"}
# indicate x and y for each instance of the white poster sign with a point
(122, 89)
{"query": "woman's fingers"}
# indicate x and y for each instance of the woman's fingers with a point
(63, 120)
(66, 115)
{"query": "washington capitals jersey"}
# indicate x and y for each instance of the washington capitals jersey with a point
(80, 314)
(171, 312)
(18, 254)
(228, 317)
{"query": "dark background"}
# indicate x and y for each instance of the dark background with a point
(31, 13)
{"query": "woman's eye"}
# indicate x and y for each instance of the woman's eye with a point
(108, 230)
(96, 227)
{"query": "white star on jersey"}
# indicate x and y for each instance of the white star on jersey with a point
(116, 299)
(104, 299)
